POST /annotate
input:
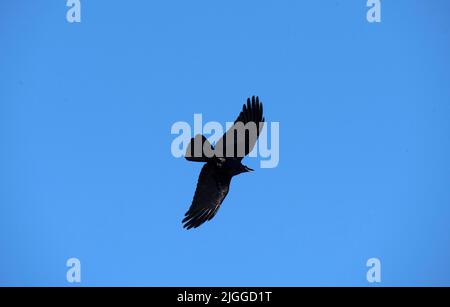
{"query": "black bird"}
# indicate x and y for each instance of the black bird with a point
(215, 177)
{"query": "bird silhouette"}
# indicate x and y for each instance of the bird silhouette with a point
(222, 164)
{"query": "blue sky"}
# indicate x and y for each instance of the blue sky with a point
(86, 168)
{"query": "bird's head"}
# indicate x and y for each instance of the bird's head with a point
(245, 169)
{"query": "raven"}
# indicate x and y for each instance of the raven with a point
(221, 165)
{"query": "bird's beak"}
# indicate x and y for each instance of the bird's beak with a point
(248, 169)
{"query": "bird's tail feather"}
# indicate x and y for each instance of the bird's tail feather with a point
(199, 149)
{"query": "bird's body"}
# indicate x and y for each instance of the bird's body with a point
(215, 177)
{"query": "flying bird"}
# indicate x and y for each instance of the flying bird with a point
(222, 164)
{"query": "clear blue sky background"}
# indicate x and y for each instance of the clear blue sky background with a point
(86, 169)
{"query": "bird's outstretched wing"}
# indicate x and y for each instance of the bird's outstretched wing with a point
(212, 187)
(243, 140)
